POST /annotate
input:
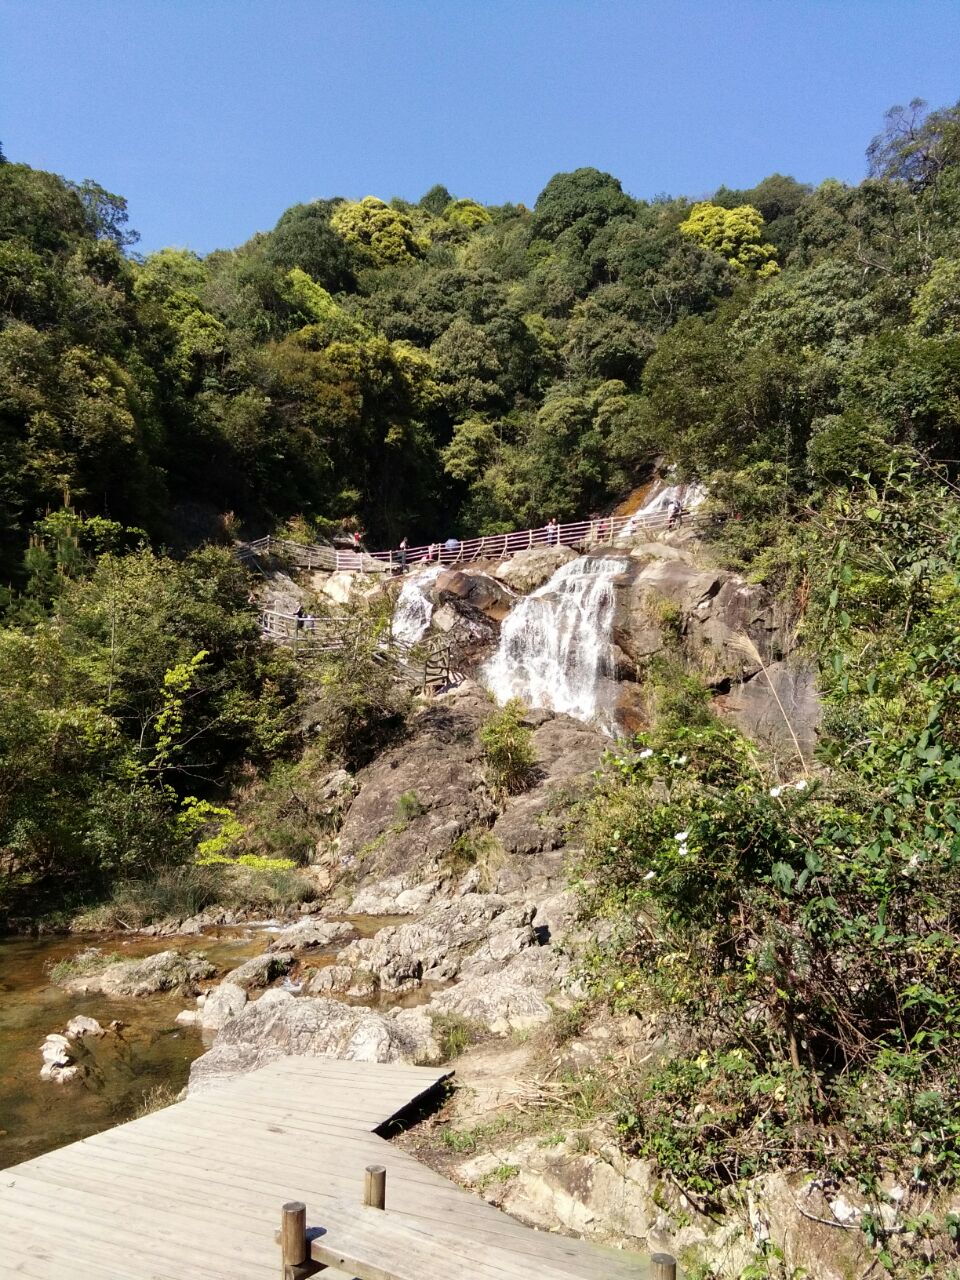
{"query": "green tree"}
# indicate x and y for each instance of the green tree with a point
(736, 234)
(379, 234)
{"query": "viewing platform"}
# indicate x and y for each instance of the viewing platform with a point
(195, 1192)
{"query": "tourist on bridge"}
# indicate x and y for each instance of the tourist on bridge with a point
(451, 546)
(675, 518)
(553, 531)
(403, 555)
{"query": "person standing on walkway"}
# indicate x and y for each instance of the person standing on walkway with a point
(553, 531)
(403, 555)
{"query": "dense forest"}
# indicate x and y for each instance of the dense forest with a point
(412, 369)
(447, 366)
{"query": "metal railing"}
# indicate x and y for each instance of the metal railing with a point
(581, 535)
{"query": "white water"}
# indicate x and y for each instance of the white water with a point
(691, 495)
(414, 608)
(555, 648)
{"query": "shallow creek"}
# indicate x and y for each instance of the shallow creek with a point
(150, 1050)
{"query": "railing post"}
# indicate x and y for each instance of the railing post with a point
(663, 1266)
(293, 1237)
(375, 1186)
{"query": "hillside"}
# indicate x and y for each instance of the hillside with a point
(748, 942)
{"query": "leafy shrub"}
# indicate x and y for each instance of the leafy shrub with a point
(508, 750)
(804, 932)
(361, 706)
(408, 807)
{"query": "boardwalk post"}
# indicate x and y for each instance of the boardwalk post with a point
(663, 1266)
(293, 1237)
(375, 1186)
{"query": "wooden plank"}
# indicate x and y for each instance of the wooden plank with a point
(199, 1185)
(151, 1169)
(443, 1203)
(74, 1234)
(431, 1197)
(373, 1245)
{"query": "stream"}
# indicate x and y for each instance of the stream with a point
(123, 1069)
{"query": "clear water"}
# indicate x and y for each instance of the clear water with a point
(151, 1050)
(37, 1115)
(555, 646)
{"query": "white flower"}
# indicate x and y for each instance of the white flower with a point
(646, 753)
(801, 785)
(775, 791)
(650, 875)
(681, 835)
(681, 759)
(683, 850)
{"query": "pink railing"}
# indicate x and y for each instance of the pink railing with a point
(601, 531)
(581, 535)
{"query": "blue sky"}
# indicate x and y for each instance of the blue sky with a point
(213, 116)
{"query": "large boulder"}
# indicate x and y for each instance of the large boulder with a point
(270, 1029)
(164, 971)
(485, 928)
(260, 971)
(479, 590)
(310, 934)
(724, 626)
(222, 1004)
(510, 997)
(777, 704)
(531, 569)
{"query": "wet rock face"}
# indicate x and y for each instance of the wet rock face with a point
(471, 634)
(479, 590)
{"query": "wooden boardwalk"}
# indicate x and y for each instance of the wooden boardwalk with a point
(193, 1192)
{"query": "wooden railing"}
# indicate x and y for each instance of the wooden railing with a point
(367, 1242)
(431, 663)
(581, 535)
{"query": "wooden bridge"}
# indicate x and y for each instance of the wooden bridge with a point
(195, 1191)
(430, 664)
(582, 535)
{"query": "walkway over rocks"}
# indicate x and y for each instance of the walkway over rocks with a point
(583, 535)
(194, 1192)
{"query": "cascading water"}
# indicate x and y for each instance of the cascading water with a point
(555, 648)
(414, 608)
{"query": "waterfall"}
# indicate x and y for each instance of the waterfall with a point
(414, 608)
(691, 495)
(555, 649)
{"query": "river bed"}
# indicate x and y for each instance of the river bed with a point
(125, 1068)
